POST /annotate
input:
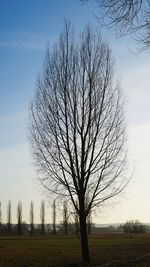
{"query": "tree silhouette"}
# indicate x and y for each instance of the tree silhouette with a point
(9, 225)
(77, 125)
(32, 218)
(19, 218)
(65, 217)
(54, 217)
(42, 216)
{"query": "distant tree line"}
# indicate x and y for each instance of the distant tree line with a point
(134, 227)
(68, 225)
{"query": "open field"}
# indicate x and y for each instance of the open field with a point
(65, 251)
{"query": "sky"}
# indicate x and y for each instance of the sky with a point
(26, 27)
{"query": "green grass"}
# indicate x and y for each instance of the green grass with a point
(61, 251)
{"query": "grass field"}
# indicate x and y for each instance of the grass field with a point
(65, 251)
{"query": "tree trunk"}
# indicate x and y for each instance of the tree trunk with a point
(84, 239)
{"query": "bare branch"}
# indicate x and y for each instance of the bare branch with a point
(126, 17)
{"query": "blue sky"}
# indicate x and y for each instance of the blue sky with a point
(25, 29)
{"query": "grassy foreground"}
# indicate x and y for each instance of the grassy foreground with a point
(65, 251)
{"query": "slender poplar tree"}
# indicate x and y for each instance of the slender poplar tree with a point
(19, 218)
(54, 217)
(32, 218)
(65, 217)
(9, 218)
(42, 216)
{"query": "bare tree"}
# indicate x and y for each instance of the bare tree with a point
(9, 217)
(54, 217)
(65, 217)
(19, 218)
(126, 16)
(42, 216)
(77, 125)
(32, 218)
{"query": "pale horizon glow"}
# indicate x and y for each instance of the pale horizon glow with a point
(24, 36)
